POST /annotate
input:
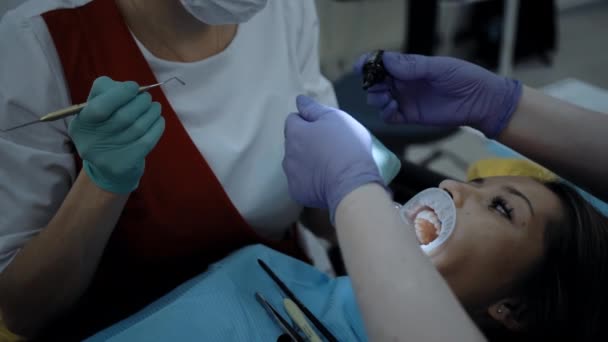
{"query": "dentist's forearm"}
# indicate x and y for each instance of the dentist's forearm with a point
(54, 269)
(400, 293)
(567, 139)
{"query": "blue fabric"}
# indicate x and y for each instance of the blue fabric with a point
(501, 150)
(219, 305)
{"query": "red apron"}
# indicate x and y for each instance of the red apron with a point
(179, 219)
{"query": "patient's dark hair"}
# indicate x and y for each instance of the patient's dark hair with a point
(565, 295)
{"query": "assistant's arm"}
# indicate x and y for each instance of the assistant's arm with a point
(450, 92)
(570, 140)
(400, 293)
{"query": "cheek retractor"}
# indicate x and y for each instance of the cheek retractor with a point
(433, 214)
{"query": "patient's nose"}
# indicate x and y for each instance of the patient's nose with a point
(459, 191)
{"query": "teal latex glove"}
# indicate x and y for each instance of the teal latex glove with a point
(115, 132)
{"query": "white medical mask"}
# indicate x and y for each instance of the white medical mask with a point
(223, 12)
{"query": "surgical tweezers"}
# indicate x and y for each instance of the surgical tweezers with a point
(317, 323)
(299, 319)
(75, 109)
(285, 326)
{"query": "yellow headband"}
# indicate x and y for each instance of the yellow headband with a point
(509, 167)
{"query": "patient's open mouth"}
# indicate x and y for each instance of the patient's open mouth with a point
(427, 224)
(432, 215)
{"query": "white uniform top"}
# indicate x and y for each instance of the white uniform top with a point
(233, 107)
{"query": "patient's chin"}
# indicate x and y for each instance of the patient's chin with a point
(447, 259)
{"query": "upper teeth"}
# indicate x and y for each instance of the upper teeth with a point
(430, 216)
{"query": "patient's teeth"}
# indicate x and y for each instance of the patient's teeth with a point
(427, 226)
(429, 215)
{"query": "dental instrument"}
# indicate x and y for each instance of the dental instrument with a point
(285, 326)
(317, 323)
(298, 317)
(373, 70)
(75, 109)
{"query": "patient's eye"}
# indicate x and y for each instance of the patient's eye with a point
(501, 206)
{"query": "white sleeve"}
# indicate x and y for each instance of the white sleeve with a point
(37, 166)
(316, 85)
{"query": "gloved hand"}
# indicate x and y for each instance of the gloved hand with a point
(443, 91)
(114, 133)
(328, 154)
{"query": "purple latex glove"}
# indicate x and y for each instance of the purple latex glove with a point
(443, 91)
(328, 154)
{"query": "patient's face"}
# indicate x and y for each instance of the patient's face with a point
(498, 237)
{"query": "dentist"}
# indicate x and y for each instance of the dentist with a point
(105, 213)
